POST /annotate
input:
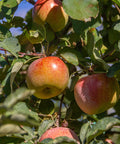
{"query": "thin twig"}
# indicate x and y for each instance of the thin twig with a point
(117, 8)
(21, 54)
(59, 112)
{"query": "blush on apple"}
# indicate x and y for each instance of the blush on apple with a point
(96, 93)
(52, 12)
(48, 76)
(59, 131)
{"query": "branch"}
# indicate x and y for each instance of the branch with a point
(118, 9)
(59, 112)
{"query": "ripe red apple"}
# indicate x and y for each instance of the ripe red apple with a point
(48, 76)
(52, 12)
(96, 93)
(59, 131)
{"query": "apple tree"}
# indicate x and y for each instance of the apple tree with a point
(59, 77)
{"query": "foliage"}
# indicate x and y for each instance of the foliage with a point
(90, 43)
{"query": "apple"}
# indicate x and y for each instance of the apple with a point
(96, 93)
(48, 76)
(52, 12)
(59, 131)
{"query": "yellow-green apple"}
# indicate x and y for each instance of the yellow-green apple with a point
(59, 131)
(48, 76)
(96, 93)
(52, 12)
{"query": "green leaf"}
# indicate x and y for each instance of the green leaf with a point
(22, 108)
(30, 133)
(81, 10)
(117, 2)
(10, 3)
(4, 33)
(64, 140)
(71, 56)
(18, 21)
(72, 81)
(11, 45)
(113, 36)
(97, 142)
(60, 140)
(26, 143)
(10, 140)
(9, 129)
(93, 51)
(101, 126)
(83, 132)
(46, 107)
(36, 34)
(117, 27)
(81, 26)
(113, 69)
(18, 95)
(15, 69)
(73, 111)
(44, 126)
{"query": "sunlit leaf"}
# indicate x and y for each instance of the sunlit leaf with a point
(11, 45)
(81, 10)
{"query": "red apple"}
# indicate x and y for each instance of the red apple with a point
(59, 131)
(96, 93)
(48, 76)
(52, 12)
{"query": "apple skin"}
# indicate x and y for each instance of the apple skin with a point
(59, 131)
(96, 93)
(48, 76)
(52, 12)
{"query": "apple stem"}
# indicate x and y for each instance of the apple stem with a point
(59, 112)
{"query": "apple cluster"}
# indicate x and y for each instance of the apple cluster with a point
(49, 76)
(52, 12)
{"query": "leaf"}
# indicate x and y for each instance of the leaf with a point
(9, 129)
(30, 133)
(15, 69)
(117, 27)
(81, 26)
(113, 36)
(11, 45)
(26, 143)
(22, 108)
(83, 132)
(101, 126)
(44, 126)
(64, 140)
(71, 56)
(93, 51)
(72, 81)
(46, 110)
(113, 69)
(18, 21)
(4, 33)
(59, 140)
(10, 140)
(10, 3)
(97, 142)
(117, 2)
(18, 95)
(36, 34)
(81, 10)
